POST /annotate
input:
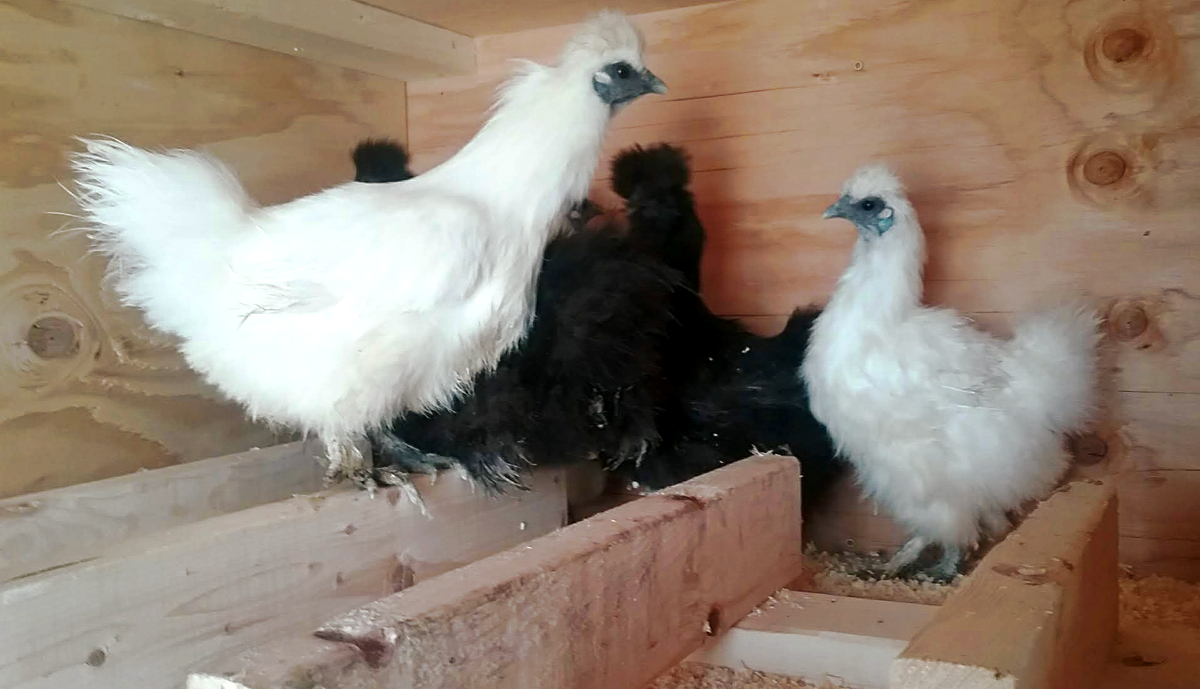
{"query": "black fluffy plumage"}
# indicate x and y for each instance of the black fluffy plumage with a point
(625, 363)
(380, 160)
(731, 392)
(585, 384)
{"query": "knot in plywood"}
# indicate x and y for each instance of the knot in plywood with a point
(53, 337)
(1124, 44)
(1132, 53)
(47, 334)
(1104, 168)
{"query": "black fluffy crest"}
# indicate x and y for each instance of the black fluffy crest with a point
(380, 160)
(661, 166)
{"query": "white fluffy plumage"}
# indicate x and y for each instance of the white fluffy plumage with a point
(948, 427)
(339, 310)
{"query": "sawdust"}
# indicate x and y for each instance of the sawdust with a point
(690, 675)
(1146, 603)
(1158, 602)
(849, 574)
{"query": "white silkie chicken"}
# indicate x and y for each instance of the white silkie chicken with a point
(340, 310)
(948, 427)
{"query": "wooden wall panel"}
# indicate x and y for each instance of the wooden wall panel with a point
(1005, 119)
(86, 391)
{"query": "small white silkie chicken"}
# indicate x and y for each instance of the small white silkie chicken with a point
(343, 309)
(948, 427)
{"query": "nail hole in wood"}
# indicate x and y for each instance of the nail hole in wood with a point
(97, 657)
(1124, 45)
(1104, 168)
(714, 621)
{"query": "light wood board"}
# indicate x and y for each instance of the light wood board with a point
(612, 601)
(849, 642)
(151, 609)
(86, 390)
(1040, 610)
(343, 33)
(57, 527)
(1003, 120)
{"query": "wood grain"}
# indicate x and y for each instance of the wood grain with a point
(612, 601)
(1039, 612)
(485, 17)
(151, 609)
(1050, 149)
(86, 390)
(40, 531)
(343, 33)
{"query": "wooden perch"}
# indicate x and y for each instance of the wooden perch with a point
(816, 637)
(609, 602)
(1040, 610)
(65, 525)
(151, 609)
(344, 33)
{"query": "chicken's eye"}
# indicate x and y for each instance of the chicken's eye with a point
(867, 205)
(623, 71)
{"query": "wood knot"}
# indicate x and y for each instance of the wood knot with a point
(53, 337)
(1124, 45)
(1088, 449)
(1128, 321)
(1104, 168)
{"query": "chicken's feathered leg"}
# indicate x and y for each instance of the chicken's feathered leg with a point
(907, 555)
(947, 567)
(346, 461)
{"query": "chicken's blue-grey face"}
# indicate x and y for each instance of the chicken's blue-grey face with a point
(871, 215)
(619, 84)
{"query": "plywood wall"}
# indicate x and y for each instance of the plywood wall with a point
(1050, 148)
(86, 391)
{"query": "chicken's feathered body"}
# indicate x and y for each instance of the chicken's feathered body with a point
(584, 384)
(339, 310)
(729, 392)
(948, 427)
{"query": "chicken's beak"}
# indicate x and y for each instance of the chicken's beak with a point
(653, 83)
(837, 210)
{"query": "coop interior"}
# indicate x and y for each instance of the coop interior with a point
(152, 535)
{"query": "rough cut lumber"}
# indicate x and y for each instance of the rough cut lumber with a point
(87, 391)
(606, 603)
(76, 523)
(343, 33)
(151, 609)
(991, 113)
(850, 642)
(1040, 609)
(485, 17)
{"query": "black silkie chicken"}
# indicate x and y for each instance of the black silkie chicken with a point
(732, 392)
(624, 363)
(585, 383)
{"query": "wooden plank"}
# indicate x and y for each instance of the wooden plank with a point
(988, 113)
(87, 392)
(151, 609)
(344, 33)
(53, 528)
(849, 642)
(612, 601)
(484, 17)
(1038, 612)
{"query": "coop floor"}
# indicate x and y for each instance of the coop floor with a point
(1158, 646)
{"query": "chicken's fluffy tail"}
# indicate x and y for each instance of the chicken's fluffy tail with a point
(1057, 351)
(167, 220)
